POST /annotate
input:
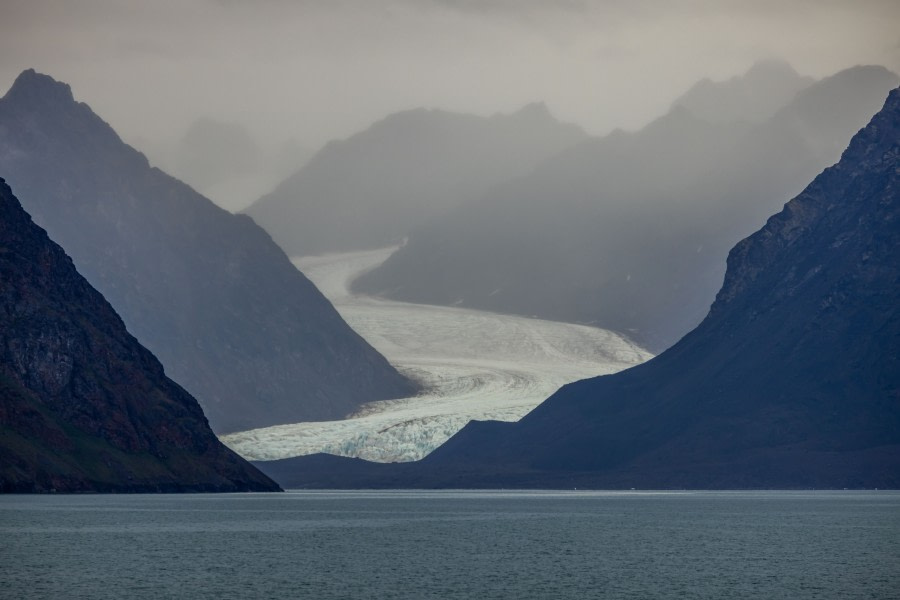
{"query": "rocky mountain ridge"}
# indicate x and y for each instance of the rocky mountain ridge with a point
(83, 406)
(754, 96)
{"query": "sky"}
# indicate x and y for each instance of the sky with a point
(307, 71)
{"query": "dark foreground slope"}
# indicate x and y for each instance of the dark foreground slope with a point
(792, 380)
(207, 292)
(83, 406)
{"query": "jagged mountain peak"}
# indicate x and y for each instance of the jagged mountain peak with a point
(760, 72)
(753, 96)
(33, 87)
(845, 84)
(870, 150)
(47, 109)
(876, 141)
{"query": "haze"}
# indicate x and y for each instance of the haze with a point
(297, 74)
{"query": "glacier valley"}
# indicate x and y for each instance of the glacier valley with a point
(472, 365)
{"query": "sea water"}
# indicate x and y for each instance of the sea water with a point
(444, 545)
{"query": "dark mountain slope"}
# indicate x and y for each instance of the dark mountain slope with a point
(792, 380)
(369, 190)
(630, 232)
(83, 406)
(206, 291)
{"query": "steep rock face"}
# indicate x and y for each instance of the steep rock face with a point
(630, 232)
(83, 406)
(206, 291)
(368, 191)
(791, 381)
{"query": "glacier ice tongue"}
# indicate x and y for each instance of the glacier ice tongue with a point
(474, 365)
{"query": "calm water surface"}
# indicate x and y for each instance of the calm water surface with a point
(324, 545)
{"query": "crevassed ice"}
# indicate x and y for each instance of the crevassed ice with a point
(474, 364)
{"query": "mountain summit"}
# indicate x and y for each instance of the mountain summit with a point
(208, 292)
(40, 90)
(369, 190)
(754, 96)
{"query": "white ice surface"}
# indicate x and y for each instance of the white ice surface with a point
(474, 365)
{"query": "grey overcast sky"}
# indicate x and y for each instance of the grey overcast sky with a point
(321, 69)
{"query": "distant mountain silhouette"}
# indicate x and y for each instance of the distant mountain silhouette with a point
(754, 96)
(791, 381)
(224, 162)
(629, 232)
(371, 189)
(208, 292)
(83, 406)
(213, 151)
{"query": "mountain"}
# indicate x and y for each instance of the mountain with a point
(791, 381)
(213, 151)
(368, 191)
(83, 406)
(754, 96)
(630, 232)
(223, 161)
(208, 292)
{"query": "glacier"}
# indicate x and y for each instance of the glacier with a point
(472, 365)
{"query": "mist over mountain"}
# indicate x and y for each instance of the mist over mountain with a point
(791, 381)
(83, 406)
(206, 291)
(754, 96)
(371, 189)
(223, 161)
(630, 231)
(212, 151)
